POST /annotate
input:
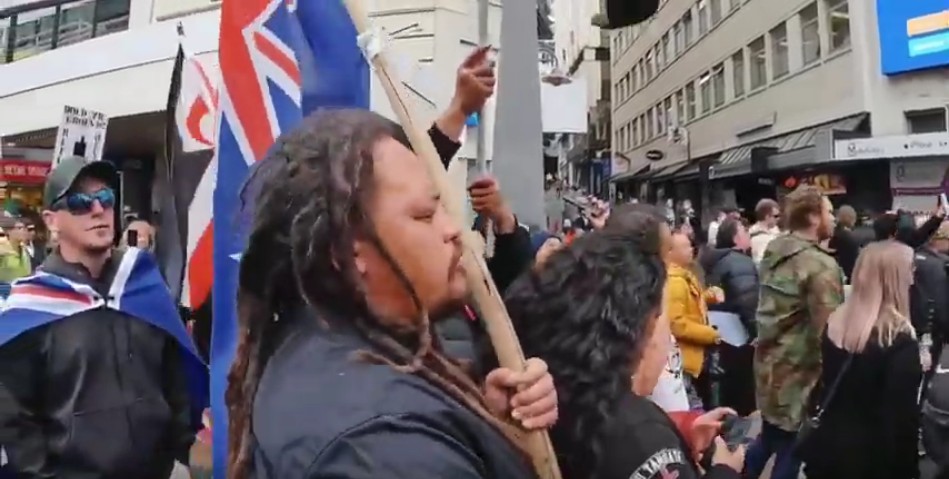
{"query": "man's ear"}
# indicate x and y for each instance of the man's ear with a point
(49, 218)
(359, 256)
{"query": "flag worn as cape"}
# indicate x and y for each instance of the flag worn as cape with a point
(138, 290)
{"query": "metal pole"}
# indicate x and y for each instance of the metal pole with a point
(483, 39)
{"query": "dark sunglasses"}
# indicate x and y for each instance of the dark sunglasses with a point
(81, 203)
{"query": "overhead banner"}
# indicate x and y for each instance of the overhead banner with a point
(81, 133)
(914, 34)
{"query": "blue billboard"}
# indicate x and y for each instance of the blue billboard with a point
(914, 34)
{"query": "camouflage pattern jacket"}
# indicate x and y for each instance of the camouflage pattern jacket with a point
(801, 284)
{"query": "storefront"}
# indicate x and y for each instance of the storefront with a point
(21, 186)
(917, 166)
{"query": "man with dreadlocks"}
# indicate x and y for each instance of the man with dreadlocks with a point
(350, 260)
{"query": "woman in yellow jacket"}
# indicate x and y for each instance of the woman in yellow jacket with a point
(687, 308)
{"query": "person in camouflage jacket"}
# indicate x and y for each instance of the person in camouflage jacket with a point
(801, 284)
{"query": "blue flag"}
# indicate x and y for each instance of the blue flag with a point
(280, 60)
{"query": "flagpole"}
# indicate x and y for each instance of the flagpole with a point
(485, 293)
(482, 145)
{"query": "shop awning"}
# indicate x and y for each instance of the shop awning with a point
(737, 161)
(634, 172)
(670, 171)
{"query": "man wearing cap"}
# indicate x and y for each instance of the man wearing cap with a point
(92, 351)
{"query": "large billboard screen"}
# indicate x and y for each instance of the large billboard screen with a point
(914, 34)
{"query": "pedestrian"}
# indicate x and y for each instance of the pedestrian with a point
(589, 312)
(731, 268)
(871, 370)
(107, 384)
(844, 244)
(801, 285)
(350, 260)
(765, 229)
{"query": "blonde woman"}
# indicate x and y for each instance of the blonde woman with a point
(869, 427)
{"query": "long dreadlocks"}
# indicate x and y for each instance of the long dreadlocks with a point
(312, 204)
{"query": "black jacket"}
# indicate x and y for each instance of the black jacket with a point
(642, 442)
(321, 412)
(462, 336)
(97, 395)
(735, 273)
(871, 428)
(929, 295)
(846, 247)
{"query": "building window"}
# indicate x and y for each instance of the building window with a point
(660, 58)
(4, 38)
(779, 51)
(33, 33)
(642, 129)
(634, 78)
(650, 125)
(705, 91)
(690, 101)
(660, 119)
(839, 12)
(680, 107)
(715, 11)
(649, 65)
(680, 39)
(635, 127)
(759, 63)
(75, 22)
(718, 84)
(810, 34)
(926, 121)
(738, 72)
(687, 27)
(666, 53)
(671, 120)
(703, 17)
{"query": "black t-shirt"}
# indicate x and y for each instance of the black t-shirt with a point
(643, 443)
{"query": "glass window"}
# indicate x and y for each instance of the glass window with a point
(758, 58)
(810, 34)
(642, 129)
(779, 51)
(839, 12)
(34, 32)
(680, 39)
(75, 22)
(649, 65)
(738, 72)
(4, 38)
(718, 84)
(112, 16)
(703, 17)
(633, 78)
(634, 126)
(650, 125)
(680, 107)
(705, 91)
(687, 27)
(660, 119)
(660, 58)
(690, 101)
(715, 11)
(667, 54)
(670, 118)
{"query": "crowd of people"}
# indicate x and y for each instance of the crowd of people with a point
(359, 354)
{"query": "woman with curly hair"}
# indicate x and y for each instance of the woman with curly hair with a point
(350, 259)
(589, 312)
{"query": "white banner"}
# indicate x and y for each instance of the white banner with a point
(81, 133)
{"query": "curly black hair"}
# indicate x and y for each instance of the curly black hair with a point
(312, 196)
(588, 312)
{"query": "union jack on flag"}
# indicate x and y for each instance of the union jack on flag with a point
(280, 60)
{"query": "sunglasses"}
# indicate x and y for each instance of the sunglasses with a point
(82, 203)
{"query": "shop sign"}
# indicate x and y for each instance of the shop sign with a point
(23, 172)
(829, 184)
(918, 177)
(655, 155)
(905, 146)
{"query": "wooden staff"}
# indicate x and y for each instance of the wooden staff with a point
(485, 293)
